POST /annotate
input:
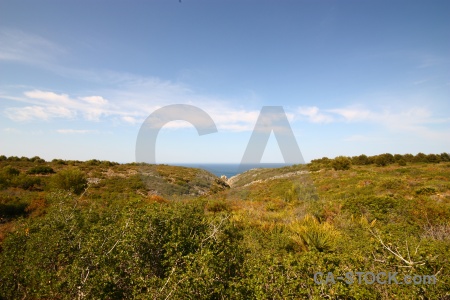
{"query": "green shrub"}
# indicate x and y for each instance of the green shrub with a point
(26, 182)
(37, 159)
(426, 191)
(433, 158)
(70, 180)
(7, 175)
(360, 160)
(384, 159)
(158, 251)
(341, 163)
(59, 161)
(12, 207)
(445, 156)
(420, 157)
(41, 170)
(9, 171)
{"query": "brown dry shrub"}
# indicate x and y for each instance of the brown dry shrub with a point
(156, 199)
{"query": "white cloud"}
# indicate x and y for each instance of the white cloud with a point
(49, 105)
(130, 119)
(313, 114)
(416, 120)
(29, 113)
(75, 131)
(95, 100)
(352, 114)
(49, 97)
(130, 108)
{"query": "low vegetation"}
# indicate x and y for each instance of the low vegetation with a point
(99, 229)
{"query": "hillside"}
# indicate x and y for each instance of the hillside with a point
(158, 231)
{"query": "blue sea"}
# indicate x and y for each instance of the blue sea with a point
(230, 170)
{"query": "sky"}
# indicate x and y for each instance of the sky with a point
(79, 78)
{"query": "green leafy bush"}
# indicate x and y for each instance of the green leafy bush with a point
(70, 180)
(341, 163)
(426, 191)
(9, 171)
(41, 170)
(7, 175)
(26, 182)
(401, 162)
(159, 251)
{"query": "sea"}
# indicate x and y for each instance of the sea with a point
(230, 170)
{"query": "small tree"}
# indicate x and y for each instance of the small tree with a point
(70, 179)
(420, 157)
(361, 160)
(445, 156)
(380, 161)
(408, 157)
(341, 163)
(433, 158)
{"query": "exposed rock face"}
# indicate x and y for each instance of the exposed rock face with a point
(222, 183)
(224, 178)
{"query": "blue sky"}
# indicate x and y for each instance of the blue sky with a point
(78, 78)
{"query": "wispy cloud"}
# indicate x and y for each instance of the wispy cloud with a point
(46, 105)
(29, 113)
(313, 115)
(75, 131)
(352, 114)
(404, 119)
(24, 47)
(417, 120)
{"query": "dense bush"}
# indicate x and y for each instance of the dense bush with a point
(27, 182)
(445, 156)
(9, 171)
(13, 158)
(59, 161)
(12, 207)
(41, 170)
(71, 179)
(7, 175)
(37, 159)
(124, 252)
(433, 158)
(341, 163)
(401, 162)
(360, 160)
(384, 159)
(420, 157)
